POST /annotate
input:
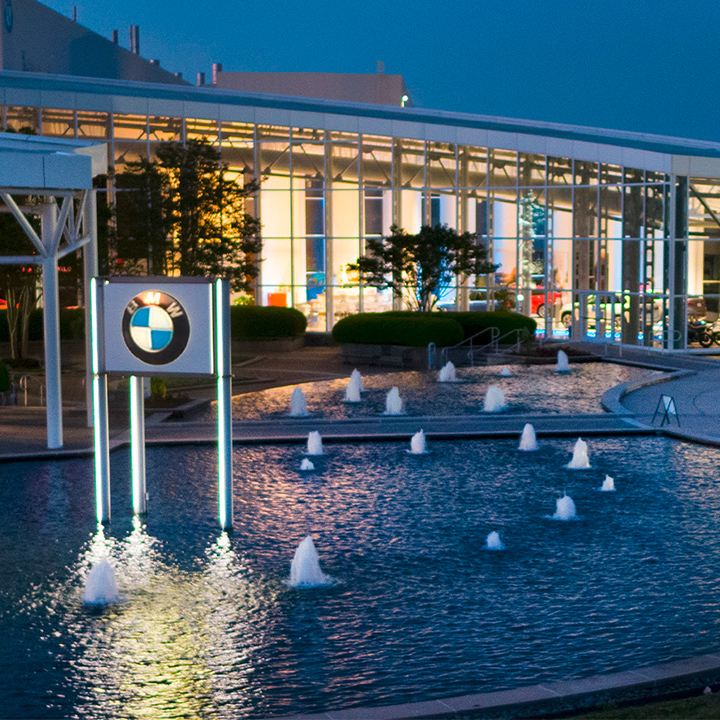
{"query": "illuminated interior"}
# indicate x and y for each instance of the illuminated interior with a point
(585, 247)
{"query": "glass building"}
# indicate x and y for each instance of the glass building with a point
(598, 234)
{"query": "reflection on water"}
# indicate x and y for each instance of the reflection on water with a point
(207, 626)
(180, 645)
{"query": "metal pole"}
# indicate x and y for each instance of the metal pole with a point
(100, 410)
(137, 444)
(51, 328)
(224, 394)
(90, 270)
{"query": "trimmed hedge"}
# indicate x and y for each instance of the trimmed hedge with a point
(473, 322)
(5, 384)
(413, 329)
(72, 325)
(247, 322)
(254, 322)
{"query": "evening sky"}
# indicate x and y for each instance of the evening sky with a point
(645, 65)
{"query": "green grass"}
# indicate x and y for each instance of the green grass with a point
(702, 707)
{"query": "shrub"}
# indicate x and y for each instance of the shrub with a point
(5, 384)
(413, 329)
(252, 322)
(72, 325)
(246, 322)
(158, 387)
(474, 322)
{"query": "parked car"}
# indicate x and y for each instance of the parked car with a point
(608, 310)
(537, 301)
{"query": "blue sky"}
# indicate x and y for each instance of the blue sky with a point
(646, 65)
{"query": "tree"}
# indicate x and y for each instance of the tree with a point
(186, 215)
(18, 282)
(422, 268)
(141, 231)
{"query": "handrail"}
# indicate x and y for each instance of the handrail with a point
(23, 383)
(521, 336)
(431, 355)
(494, 333)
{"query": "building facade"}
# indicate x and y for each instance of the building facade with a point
(598, 234)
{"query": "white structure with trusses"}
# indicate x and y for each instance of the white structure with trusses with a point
(57, 176)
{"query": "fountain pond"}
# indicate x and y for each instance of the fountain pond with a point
(207, 625)
(533, 388)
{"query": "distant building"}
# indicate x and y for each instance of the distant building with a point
(599, 233)
(377, 89)
(34, 38)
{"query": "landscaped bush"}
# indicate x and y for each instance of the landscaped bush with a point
(5, 384)
(247, 322)
(473, 322)
(252, 322)
(413, 329)
(72, 325)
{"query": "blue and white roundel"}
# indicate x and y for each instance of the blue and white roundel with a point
(155, 327)
(151, 328)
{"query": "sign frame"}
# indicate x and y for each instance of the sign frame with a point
(155, 327)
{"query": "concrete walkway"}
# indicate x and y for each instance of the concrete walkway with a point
(694, 386)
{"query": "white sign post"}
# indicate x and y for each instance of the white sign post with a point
(158, 326)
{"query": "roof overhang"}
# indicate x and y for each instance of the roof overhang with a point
(28, 162)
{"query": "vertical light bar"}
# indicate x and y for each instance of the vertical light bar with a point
(224, 395)
(137, 444)
(100, 413)
(90, 270)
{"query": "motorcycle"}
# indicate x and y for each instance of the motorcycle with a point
(699, 332)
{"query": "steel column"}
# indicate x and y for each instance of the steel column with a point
(51, 322)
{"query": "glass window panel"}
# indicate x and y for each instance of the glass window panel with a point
(165, 129)
(273, 132)
(633, 176)
(308, 135)
(376, 160)
(442, 165)
(532, 170)
(633, 210)
(93, 124)
(130, 127)
(344, 160)
(198, 129)
(560, 171)
(347, 139)
(610, 174)
(23, 119)
(344, 207)
(586, 173)
(274, 158)
(237, 146)
(411, 154)
(373, 208)
(58, 123)
(611, 211)
(585, 212)
(503, 167)
(654, 210)
(473, 167)
(308, 160)
(237, 135)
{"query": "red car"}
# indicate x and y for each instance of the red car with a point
(537, 301)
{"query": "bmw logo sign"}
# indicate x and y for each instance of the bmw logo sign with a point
(155, 327)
